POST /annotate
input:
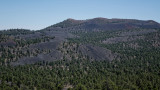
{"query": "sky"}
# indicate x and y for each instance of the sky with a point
(38, 14)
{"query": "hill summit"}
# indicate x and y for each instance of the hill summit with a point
(105, 24)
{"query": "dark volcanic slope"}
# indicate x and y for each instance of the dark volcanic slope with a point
(52, 43)
(104, 24)
(50, 47)
(97, 53)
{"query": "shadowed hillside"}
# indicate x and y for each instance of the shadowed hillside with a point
(85, 37)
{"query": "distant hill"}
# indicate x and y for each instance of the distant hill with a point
(105, 24)
(89, 37)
